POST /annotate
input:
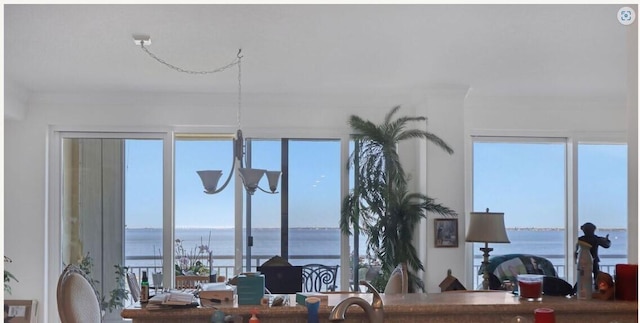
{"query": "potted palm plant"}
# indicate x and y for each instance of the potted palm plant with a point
(380, 204)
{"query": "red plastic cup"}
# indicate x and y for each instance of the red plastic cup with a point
(626, 282)
(544, 315)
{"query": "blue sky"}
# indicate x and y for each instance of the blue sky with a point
(525, 181)
(313, 172)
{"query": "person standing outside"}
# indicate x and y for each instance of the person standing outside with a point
(590, 237)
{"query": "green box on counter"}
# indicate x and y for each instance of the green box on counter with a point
(302, 297)
(250, 289)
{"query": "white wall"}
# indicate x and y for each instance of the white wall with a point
(445, 178)
(451, 116)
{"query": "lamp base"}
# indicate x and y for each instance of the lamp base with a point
(485, 263)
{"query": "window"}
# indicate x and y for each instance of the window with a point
(122, 180)
(203, 220)
(526, 180)
(299, 223)
(143, 205)
(602, 197)
(264, 220)
(109, 182)
(314, 202)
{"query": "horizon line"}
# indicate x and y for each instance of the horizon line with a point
(326, 228)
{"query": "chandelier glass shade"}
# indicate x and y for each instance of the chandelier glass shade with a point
(250, 176)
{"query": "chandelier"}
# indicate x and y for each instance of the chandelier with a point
(250, 176)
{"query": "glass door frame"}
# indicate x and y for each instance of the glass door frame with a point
(572, 140)
(54, 195)
(569, 202)
(55, 136)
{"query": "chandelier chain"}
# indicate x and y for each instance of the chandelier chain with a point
(237, 61)
(182, 70)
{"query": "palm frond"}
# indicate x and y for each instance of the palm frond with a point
(389, 115)
(381, 205)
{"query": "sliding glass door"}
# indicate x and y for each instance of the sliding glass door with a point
(314, 202)
(300, 222)
(263, 234)
(111, 203)
(204, 224)
(116, 184)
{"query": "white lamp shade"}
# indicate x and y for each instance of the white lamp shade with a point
(210, 179)
(273, 177)
(251, 177)
(487, 227)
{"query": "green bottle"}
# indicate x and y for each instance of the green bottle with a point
(144, 288)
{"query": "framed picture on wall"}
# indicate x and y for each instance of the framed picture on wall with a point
(446, 233)
(20, 311)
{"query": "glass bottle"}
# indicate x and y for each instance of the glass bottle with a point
(144, 288)
(585, 271)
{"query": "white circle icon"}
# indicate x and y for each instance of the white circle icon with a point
(626, 16)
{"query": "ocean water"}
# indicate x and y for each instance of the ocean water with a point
(318, 242)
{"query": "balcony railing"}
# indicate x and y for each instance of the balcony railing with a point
(228, 270)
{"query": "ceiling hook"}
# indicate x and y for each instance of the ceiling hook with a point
(142, 40)
(239, 51)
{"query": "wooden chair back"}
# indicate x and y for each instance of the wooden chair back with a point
(190, 282)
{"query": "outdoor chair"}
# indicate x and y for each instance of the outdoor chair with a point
(319, 278)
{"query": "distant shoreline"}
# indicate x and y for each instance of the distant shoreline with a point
(329, 228)
(559, 229)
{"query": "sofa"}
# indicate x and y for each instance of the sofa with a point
(507, 267)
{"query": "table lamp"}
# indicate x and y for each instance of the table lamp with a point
(486, 227)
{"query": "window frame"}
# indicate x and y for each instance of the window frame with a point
(56, 134)
(54, 210)
(572, 139)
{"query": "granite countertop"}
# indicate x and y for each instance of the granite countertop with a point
(469, 304)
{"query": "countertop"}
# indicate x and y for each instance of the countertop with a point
(457, 306)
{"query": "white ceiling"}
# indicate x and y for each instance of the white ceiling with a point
(294, 49)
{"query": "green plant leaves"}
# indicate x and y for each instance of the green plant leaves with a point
(380, 204)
